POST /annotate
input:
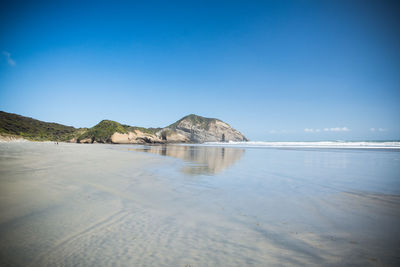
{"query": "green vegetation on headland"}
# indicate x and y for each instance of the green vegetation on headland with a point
(201, 122)
(142, 129)
(35, 130)
(103, 131)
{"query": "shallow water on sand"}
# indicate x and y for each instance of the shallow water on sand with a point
(72, 204)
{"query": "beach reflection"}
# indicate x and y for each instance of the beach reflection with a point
(202, 160)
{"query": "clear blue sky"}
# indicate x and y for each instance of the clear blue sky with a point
(275, 70)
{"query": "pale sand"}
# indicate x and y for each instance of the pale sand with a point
(104, 205)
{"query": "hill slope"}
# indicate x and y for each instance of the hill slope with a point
(101, 132)
(31, 129)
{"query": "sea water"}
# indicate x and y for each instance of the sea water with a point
(220, 204)
(305, 202)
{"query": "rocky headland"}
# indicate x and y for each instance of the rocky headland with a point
(189, 129)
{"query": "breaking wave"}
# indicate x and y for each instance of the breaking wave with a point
(320, 144)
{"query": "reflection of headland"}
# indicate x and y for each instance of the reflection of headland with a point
(207, 160)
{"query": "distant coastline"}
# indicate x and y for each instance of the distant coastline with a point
(189, 129)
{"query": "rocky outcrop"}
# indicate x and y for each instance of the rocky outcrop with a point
(120, 138)
(86, 141)
(197, 129)
(169, 136)
(189, 129)
(135, 137)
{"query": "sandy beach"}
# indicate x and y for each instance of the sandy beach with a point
(121, 205)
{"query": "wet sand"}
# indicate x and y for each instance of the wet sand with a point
(105, 205)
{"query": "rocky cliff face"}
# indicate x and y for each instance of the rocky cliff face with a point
(135, 137)
(197, 129)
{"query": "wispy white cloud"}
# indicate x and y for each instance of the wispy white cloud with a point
(337, 129)
(378, 130)
(334, 129)
(10, 61)
(311, 130)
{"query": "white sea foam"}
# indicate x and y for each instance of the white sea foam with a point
(320, 144)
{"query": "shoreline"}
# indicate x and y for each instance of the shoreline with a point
(378, 145)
